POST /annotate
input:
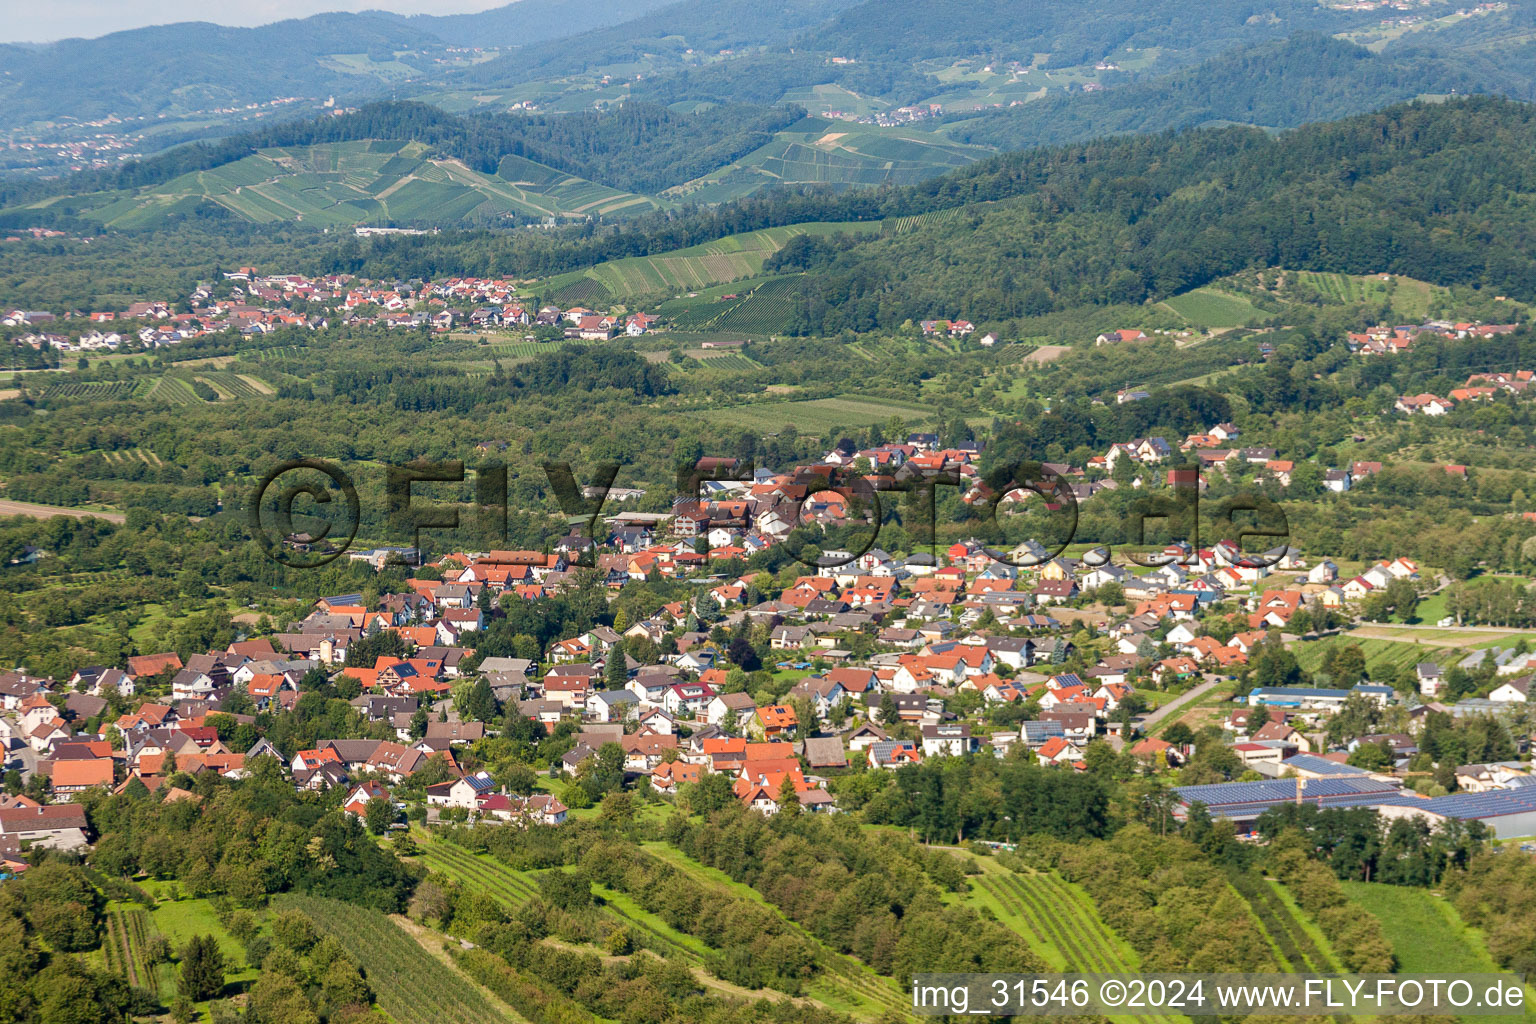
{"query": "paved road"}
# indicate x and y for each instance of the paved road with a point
(27, 508)
(1152, 721)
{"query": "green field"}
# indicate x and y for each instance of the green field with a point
(1427, 935)
(377, 182)
(1212, 307)
(820, 415)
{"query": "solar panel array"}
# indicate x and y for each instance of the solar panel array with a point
(1483, 805)
(1274, 791)
(1321, 765)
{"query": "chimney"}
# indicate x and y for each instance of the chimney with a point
(1301, 786)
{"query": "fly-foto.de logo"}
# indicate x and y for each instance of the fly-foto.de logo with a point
(306, 513)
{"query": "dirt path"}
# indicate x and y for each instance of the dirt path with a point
(432, 942)
(27, 508)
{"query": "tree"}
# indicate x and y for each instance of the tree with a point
(202, 968)
(789, 797)
(889, 713)
(379, 813)
(615, 672)
(480, 704)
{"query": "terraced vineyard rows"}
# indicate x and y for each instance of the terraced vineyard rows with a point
(97, 391)
(231, 385)
(500, 883)
(1052, 915)
(173, 391)
(128, 932)
(408, 982)
(1289, 936)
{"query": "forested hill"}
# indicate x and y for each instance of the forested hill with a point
(1308, 77)
(1441, 192)
(703, 26)
(193, 65)
(525, 22)
(640, 147)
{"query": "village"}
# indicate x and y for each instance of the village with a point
(784, 684)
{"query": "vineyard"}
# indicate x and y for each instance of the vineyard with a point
(95, 391)
(234, 385)
(173, 391)
(843, 982)
(481, 873)
(1060, 924)
(408, 983)
(1282, 923)
(128, 934)
(730, 363)
(820, 415)
(766, 309)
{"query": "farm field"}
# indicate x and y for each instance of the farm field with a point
(409, 983)
(1211, 307)
(1383, 657)
(1425, 931)
(820, 415)
(127, 933)
(1299, 947)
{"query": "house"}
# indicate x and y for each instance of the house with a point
(949, 740)
(774, 721)
(613, 706)
(891, 754)
(57, 826)
(687, 699)
(723, 705)
(1517, 690)
(464, 793)
(76, 776)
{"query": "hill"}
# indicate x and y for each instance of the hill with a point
(524, 23)
(345, 183)
(196, 66)
(1146, 217)
(1308, 77)
(680, 33)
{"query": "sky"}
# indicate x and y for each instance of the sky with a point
(33, 22)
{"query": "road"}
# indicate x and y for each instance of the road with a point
(27, 508)
(1152, 721)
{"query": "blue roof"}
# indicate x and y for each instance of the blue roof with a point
(1298, 691)
(1492, 804)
